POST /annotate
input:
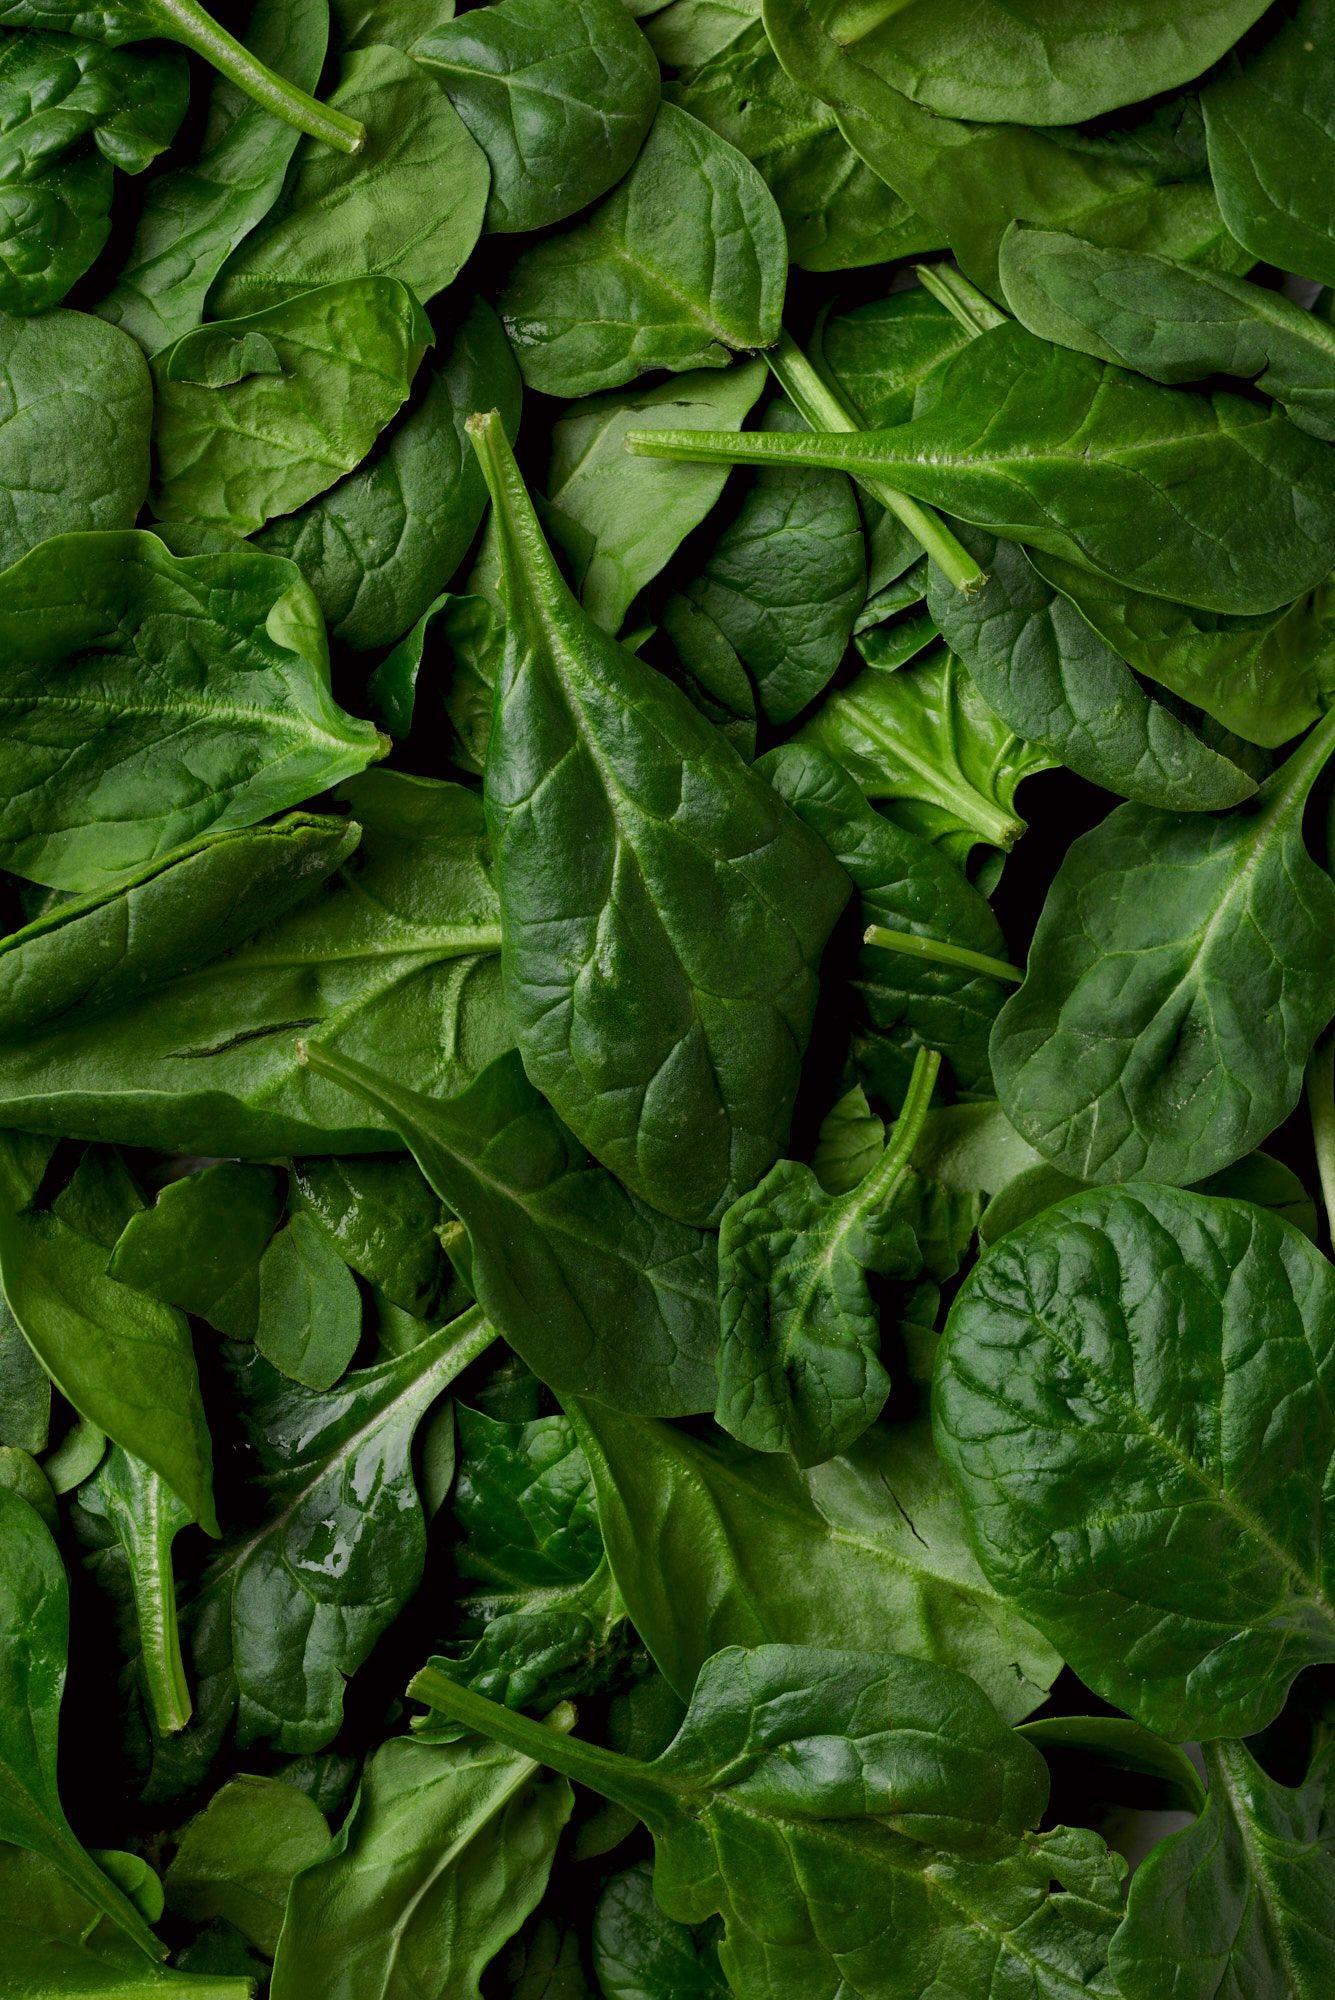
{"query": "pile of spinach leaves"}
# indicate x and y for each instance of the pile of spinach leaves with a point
(667, 1000)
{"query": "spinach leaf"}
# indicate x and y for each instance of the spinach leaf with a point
(920, 1868)
(395, 23)
(194, 215)
(1122, 1360)
(1177, 981)
(596, 1292)
(559, 94)
(714, 1546)
(34, 1628)
(382, 1217)
(148, 700)
(445, 1852)
(408, 206)
(639, 1953)
(1275, 193)
(1171, 321)
(237, 1858)
(1078, 458)
(25, 1391)
(676, 866)
(199, 1246)
(376, 546)
(256, 416)
(138, 1514)
(682, 263)
(879, 355)
(310, 1311)
(1244, 1900)
(66, 377)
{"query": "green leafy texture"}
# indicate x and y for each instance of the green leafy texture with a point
(900, 1861)
(665, 1011)
(383, 1218)
(409, 206)
(149, 699)
(1257, 1178)
(1073, 456)
(616, 518)
(76, 410)
(905, 1002)
(199, 1246)
(850, 1141)
(639, 1953)
(445, 1852)
(785, 580)
(237, 1858)
(799, 1366)
(25, 1390)
(1142, 184)
(257, 416)
(70, 112)
(310, 1311)
(1263, 678)
(34, 1628)
(76, 1457)
(119, 21)
(709, 673)
(544, 1963)
(1156, 1365)
(376, 547)
(1177, 980)
(1120, 1754)
(122, 1359)
(397, 23)
(193, 216)
(1172, 322)
(683, 262)
(334, 1549)
(559, 94)
(837, 212)
(137, 1510)
(1275, 191)
(401, 942)
(1243, 1902)
(1034, 64)
(878, 355)
(925, 743)
(21, 1474)
(714, 1546)
(598, 1293)
(1051, 677)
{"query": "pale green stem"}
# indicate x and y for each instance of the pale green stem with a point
(185, 21)
(1321, 1110)
(879, 1184)
(953, 290)
(813, 398)
(154, 1588)
(941, 953)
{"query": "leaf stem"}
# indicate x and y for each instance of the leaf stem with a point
(185, 21)
(154, 1586)
(939, 952)
(952, 289)
(814, 399)
(880, 1182)
(1321, 1111)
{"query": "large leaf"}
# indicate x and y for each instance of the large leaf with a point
(665, 1009)
(200, 1244)
(1157, 1364)
(236, 1859)
(1177, 980)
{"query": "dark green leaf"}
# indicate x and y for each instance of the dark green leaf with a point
(237, 1858)
(142, 1514)
(199, 1246)
(310, 1311)
(383, 1218)
(639, 1953)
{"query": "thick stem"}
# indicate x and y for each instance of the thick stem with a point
(526, 556)
(154, 1589)
(952, 290)
(814, 399)
(185, 21)
(1321, 1110)
(938, 952)
(1289, 786)
(880, 1183)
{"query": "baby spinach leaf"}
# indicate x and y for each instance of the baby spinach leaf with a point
(1171, 321)
(67, 377)
(597, 1292)
(1276, 193)
(639, 1953)
(199, 1246)
(34, 1628)
(1177, 981)
(395, 23)
(1076, 457)
(237, 1858)
(559, 94)
(376, 547)
(714, 1546)
(25, 1390)
(682, 263)
(140, 1514)
(920, 1868)
(676, 865)
(310, 1311)
(799, 1367)
(878, 355)
(149, 699)
(616, 519)
(1050, 676)
(402, 943)
(445, 1852)
(193, 216)
(1243, 1901)
(408, 206)
(383, 1218)
(1122, 1360)
(256, 416)
(850, 1141)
